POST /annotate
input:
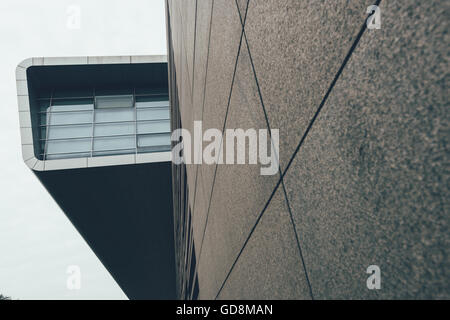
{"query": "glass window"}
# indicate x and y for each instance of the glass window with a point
(114, 115)
(66, 146)
(123, 101)
(113, 152)
(158, 126)
(151, 104)
(63, 105)
(60, 118)
(115, 124)
(65, 132)
(153, 114)
(68, 155)
(150, 140)
(112, 129)
(114, 143)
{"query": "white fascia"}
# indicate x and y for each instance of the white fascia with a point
(25, 116)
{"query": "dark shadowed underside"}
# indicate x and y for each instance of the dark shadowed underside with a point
(125, 215)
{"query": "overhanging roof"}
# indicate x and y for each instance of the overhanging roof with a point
(122, 204)
(72, 72)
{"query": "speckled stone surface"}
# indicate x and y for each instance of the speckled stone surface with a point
(297, 47)
(177, 40)
(174, 19)
(199, 214)
(204, 10)
(188, 9)
(370, 186)
(186, 110)
(270, 266)
(185, 93)
(240, 192)
(201, 56)
(199, 219)
(226, 32)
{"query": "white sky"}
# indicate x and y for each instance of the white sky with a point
(37, 241)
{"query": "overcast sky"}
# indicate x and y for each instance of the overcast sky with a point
(37, 241)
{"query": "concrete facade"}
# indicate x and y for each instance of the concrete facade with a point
(363, 119)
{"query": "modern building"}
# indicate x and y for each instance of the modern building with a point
(363, 119)
(361, 196)
(96, 133)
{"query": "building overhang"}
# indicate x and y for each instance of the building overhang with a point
(120, 204)
(82, 70)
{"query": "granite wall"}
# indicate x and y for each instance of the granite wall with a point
(363, 119)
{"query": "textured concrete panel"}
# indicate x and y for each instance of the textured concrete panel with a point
(204, 10)
(199, 213)
(183, 32)
(226, 30)
(175, 23)
(177, 42)
(201, 56)
(186, 31)
(270, 266)
(240, 192)
(370, 186)
(188, 13)
(297, 48)
(185, 95)
(186, 111)
(199, 220)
